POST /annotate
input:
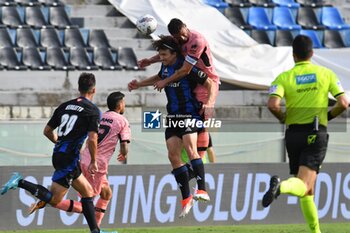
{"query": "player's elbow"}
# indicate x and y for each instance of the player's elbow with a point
(343, 102)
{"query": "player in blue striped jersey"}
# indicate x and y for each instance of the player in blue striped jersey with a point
(183, 120)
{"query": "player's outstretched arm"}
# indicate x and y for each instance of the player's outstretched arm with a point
(179, 74)
(134, 84)
(148, 61)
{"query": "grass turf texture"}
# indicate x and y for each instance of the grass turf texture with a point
(287, 228)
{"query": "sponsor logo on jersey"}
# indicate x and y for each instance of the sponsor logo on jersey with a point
(305, 79)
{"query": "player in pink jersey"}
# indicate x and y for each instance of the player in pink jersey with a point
(113, 127)
(197, 52)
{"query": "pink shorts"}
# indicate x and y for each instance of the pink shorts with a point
(97, 181)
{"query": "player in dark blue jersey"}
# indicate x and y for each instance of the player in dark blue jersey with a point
(183, 120)
(75, 121)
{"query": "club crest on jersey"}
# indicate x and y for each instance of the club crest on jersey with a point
(305, 79)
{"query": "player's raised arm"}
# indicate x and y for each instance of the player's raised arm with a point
(134, 84)
(148, 61)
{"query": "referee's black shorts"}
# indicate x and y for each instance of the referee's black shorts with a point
(306, 147)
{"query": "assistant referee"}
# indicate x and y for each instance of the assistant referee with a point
(305, 88)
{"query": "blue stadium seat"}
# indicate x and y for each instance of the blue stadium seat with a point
(33, 59)
(58, 59)
(127, 58)
(287, 3)
(331, 18)
(283, 19)
(35, 17)
(59, 18)
(74, 38)
(235, 15)
(257, 17)
(346, 36)
(5, 38)
(98, 39)
(26, 38)
(80, 58)
(9, 59)
(307, 18)
(104, 59)
(218, 4)
(49, 38)
(314, 37)
(333, 39)
(12, 16)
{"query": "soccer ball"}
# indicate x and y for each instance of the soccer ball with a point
(146, 24)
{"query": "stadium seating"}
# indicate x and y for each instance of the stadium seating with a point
(258, 18)
(34, 17)
(104, 59)
(58, 17)
(33, 59)
(333, 39)
(49, 38)
(98, 38)
(287, 3)
(218, 4)
(262, 3)
(240, 3)
(7, 2)
(314, 37)
(9, 59)
(5, 38)
(346, 36)
(74, 38)
(12, 16)
(57, 59)
(307, 19)
(127, 58)
(25, 38)
(234, 14)
(283, 19)
(284, 38)
(261, 36)
(27, 2)
(81, 59)
(311, 3)
(331, 18)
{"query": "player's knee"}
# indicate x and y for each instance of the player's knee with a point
(106, 193)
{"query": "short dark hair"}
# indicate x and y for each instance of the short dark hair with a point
(113, 99)
(86, 82)
(302, 47)
(175, 26)
(167, 42)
